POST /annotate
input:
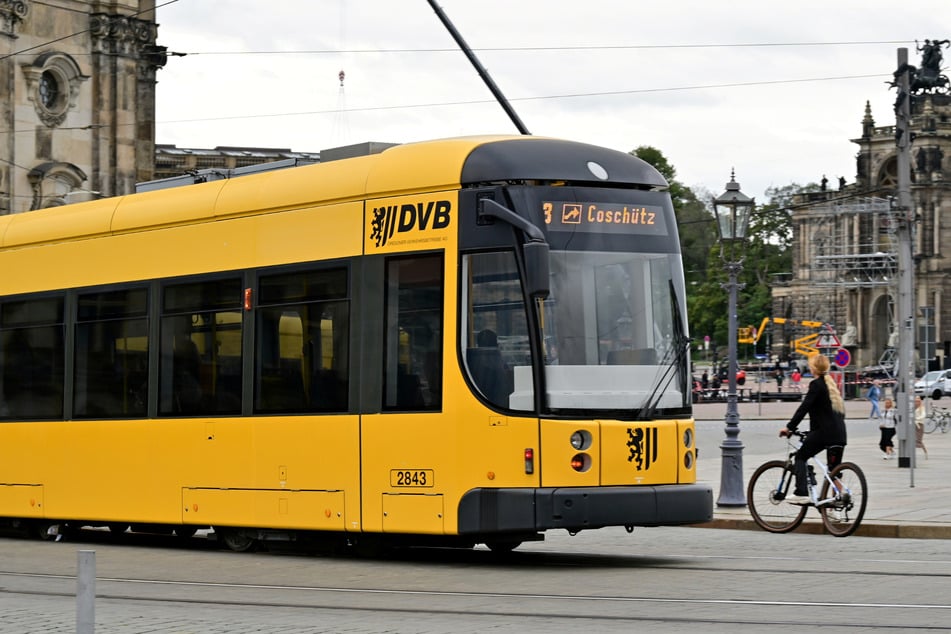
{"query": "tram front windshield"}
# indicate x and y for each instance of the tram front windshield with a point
(612, 333)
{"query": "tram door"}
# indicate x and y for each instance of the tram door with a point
(401, 447)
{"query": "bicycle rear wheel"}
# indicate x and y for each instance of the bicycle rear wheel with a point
(765, 496)
(843, 515)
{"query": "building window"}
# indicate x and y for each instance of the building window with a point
(53, 81)
(49, 90)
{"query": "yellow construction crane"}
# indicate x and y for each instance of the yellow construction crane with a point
(803, 345)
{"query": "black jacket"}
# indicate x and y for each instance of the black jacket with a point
(823, 420)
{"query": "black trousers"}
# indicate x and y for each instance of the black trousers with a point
(811, 446)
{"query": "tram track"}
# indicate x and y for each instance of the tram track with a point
(594, 608)
(687, 578)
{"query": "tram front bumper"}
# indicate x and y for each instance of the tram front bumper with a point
(574, 509)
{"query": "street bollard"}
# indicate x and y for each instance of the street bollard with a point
(86, 593)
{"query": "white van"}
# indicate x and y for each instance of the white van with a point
(935, 384)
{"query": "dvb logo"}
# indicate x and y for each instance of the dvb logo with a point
(391, 219)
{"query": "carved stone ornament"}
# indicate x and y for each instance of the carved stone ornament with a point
(12, 12)
(119, 34)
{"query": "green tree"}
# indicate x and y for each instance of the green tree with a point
(767, 261)
(768, 254)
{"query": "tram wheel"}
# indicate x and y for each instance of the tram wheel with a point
(118, 529)
(236, 540)
(185, 531)
(368, 547)
(48, 531)
(503, 546)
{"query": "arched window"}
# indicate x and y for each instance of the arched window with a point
(52, 181)
(53, 81)
(888, 174)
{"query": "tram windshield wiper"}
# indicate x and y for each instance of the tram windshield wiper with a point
(679, 350)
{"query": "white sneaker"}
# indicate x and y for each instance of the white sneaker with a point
(801, 500)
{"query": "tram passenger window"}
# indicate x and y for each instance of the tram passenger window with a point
(112, 350)
(31, 358)
(302, 342)
(200, 348)
(495, 334)
(412, 377)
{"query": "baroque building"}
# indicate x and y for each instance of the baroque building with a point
(77, 100)
(172, 161)
(845, 242)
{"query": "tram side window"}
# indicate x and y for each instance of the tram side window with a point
(112, 350)
(302, 342)
(200, 348)
(31, 358)
(412, 372)
(495, 334)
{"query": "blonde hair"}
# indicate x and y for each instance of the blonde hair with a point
(819, 365)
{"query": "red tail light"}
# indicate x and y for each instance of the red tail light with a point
(529, 460)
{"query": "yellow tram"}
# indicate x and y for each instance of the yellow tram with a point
(461, 341)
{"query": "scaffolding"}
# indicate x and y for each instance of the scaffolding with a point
(848, 243)
(855, 244)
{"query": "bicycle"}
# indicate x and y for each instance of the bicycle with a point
(938, 418)
(841, 500)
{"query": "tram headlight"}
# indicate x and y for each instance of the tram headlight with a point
(581, 439)
(581, 462)
(688, 459)
(688, 437)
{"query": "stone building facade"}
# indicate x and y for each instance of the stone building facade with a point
(845, 248)
(77, 100)
(172, 161)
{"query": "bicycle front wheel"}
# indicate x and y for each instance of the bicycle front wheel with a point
(931, 424)
(766, 498)
(843, 515)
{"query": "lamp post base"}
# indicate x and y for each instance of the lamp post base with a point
(731, 474)
(732, 492)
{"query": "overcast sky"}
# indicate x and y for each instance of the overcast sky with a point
(773, 89)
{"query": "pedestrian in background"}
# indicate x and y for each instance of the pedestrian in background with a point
(796, 377)
(887, 427)
(874, 395)
(920, 416)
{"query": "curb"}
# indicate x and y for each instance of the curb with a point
(866, 529)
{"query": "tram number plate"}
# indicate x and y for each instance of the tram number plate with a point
(411, 478)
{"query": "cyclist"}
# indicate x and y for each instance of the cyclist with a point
(826, 412)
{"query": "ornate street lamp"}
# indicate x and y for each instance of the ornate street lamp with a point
(733, 209)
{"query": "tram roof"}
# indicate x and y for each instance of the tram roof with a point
(396, 170)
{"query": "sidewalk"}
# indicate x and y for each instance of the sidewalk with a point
(895, 507)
